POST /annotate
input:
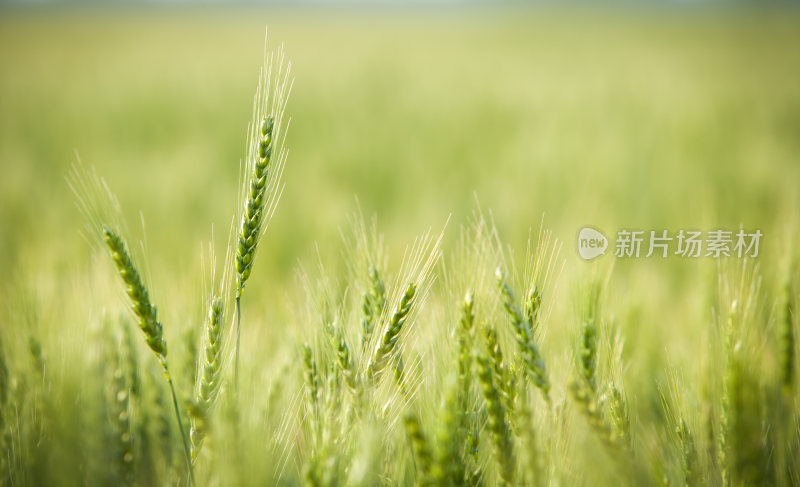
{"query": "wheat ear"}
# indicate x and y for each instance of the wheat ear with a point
(265, 161)
(502, 374)
(343, 356)
(498, 420)
(372, 304)
(389, 340)
(466, 323)
(786, 341)
(593, 412)
(587, 351)
(148, 320)
(448, 467)
(421, 449)
(209, 380)
(530, 352)
(252, 218)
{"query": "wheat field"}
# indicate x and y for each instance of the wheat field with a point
(354, 260)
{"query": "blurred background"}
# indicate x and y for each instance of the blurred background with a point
(679, 116)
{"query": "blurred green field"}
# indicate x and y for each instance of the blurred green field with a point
(651, 120)
(648, 119)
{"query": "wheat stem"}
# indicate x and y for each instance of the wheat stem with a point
(238, 341)
(185, 441)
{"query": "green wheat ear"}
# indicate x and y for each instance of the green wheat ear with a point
(252, 222)
(497, 420)
(148, 321)
(140, 299)
(786, 342)
(372, 306)
(465, 347)
(265, 161)
(344, 358)
(421, 449)
(587, 349)
(534, 363)
(392, 334)
(253, 216)
(209, 380)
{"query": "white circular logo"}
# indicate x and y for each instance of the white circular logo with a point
(591, 243)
